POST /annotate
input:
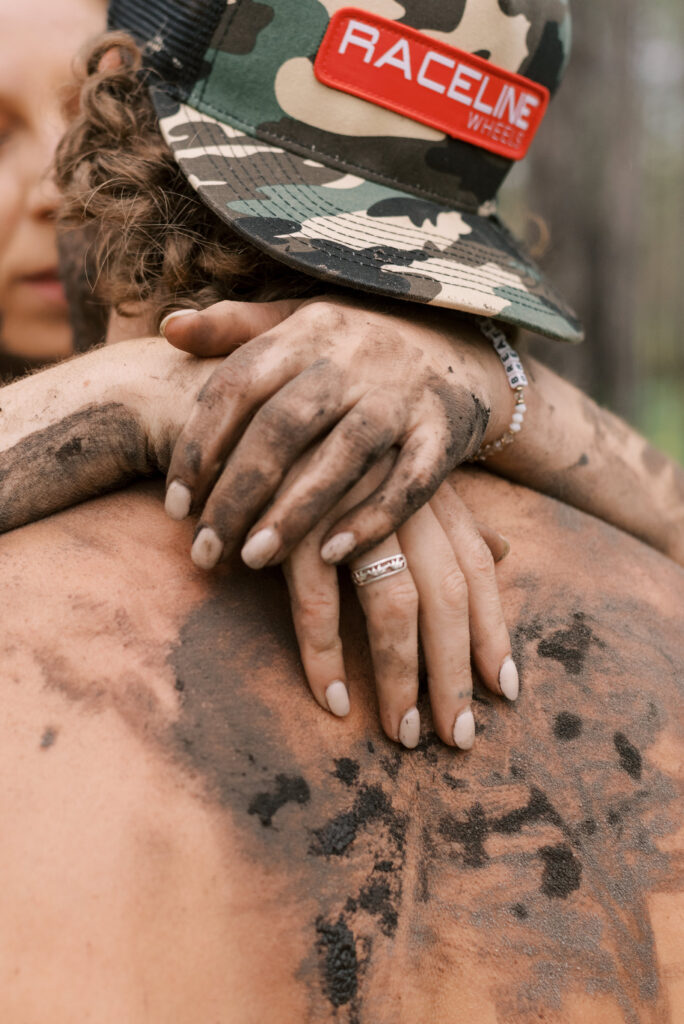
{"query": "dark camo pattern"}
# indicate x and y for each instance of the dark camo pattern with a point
(388, 205)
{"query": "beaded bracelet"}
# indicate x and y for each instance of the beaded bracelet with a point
(517, 381)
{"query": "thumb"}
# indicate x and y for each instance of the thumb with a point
(220, 329)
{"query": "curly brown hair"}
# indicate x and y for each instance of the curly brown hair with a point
(155, 241)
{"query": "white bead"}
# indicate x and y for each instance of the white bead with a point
(521, 407)
(518, 417)
(514, 427)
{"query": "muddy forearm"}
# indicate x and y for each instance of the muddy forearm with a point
(90, 425)
(577, 452)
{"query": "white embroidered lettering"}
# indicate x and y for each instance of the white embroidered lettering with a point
(391, 57)
(461, 82)
(433, 58)
(367, 42)
(424, 79)
(524, 108)
(484, 108)
(507, 99)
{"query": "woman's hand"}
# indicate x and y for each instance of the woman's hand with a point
(448, 592)
(365, 381)
(100, 421)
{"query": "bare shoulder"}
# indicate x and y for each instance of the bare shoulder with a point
(190, 824)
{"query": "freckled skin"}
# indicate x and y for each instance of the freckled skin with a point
(227, 852)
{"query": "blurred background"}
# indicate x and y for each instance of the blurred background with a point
(601, 203)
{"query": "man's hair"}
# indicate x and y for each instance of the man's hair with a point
(155, 241)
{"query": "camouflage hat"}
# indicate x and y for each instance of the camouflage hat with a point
(365, 145)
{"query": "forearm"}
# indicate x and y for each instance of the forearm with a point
(575, 451)
(90, 425)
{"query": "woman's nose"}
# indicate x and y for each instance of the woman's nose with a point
(43, 196)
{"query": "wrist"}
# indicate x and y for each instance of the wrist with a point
(503, 390)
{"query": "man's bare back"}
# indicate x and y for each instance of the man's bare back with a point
(192, 839)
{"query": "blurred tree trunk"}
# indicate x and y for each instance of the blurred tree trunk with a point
(584, 182)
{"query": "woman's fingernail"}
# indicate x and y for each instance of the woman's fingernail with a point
(178, 500)
(338, 547)
(337, 698)
(464, 730)
(506, 548)
(409, 730)
(207, 549)
(260, 548)
(174, 316)
(508, 679)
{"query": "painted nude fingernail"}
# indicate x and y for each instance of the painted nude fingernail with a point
(337, 698)
(174, 316)
(207, 549)
(178, 501)
(338, 547)
(260, 548)
(464, 730)
(409, 730)
(506, 548)
(508, 679)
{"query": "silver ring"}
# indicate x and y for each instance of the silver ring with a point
(379, 570)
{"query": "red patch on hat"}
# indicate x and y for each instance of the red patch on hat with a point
(407, 71)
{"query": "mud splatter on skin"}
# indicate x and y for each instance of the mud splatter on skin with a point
(465, 420)
(380, 901)
(193, 457)
(371, 805)
(567, 726)
(453, 783)
(630, 758)
(570, 646)
(91, 452)
(362, 454)
(513, 838)
(562, 871)
(341, 969)
(472, 833)
(288, 789)
(69, 450)
(346, 770)
(49, 738)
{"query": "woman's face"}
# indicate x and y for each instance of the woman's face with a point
(37, 45)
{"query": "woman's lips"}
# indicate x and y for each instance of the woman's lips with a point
(46, 284)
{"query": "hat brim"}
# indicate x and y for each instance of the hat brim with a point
(351, 231)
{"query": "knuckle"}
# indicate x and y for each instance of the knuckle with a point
(327, 649)
(279, 421)
(481, 560)
(398, 600)
(453, 589)
(368, 432)
(323, 315)
(421, 477)
(316, 615)
(225, 385)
